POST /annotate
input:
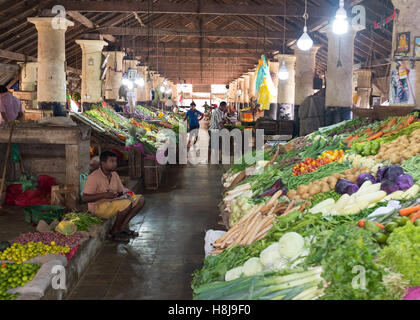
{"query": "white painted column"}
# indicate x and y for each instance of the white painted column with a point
(408, 21)
(246, 90)
(252, 94)
(286, 88)
(51, 88)
(241, 87)
(91, 71)
(114, 74)
(340, 78)
(28, 76)
(305, 72)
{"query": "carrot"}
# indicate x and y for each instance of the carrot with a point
(415, 216)
(349, 138)
(376, 136)
(362, 223)
(380, 225)
(367, 130)
(409, 210)
(409, 121)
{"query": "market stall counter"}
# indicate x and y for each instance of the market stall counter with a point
(61, 152)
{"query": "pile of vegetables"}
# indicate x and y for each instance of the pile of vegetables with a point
(15, 275)
(362, 210)
(22, 252)
(82, 220)
(402, 253)
(49, 238)
(310, 165)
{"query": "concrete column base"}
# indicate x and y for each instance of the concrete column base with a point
(58, 109)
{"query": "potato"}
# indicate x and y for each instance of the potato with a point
(336, 175)
(396, 159)
(316, 188)
(291, 194)
(325, 179)
(302, 189)
(325, 187)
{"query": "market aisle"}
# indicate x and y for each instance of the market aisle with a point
(158, 264)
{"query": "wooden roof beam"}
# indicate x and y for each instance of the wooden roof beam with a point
(206, 8)
(121, 31)
(88, 23)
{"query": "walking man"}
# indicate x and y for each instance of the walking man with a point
(194, 117)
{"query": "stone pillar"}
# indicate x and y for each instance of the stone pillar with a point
(51, 89)
(91, 71)
(305, 72)
(340, 78)
(286, 88)
(407, 22)
(114, 74)
(28, 76)
(364, 86)
(241, 96)
(246, 90)
(274, 70)
(252, 93)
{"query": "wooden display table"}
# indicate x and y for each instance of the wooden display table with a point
(57, 151)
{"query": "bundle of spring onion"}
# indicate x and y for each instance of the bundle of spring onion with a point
(284, 285)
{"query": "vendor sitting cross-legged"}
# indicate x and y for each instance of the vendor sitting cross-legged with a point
(103, 192)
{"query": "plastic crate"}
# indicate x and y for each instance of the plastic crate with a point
(48, 213)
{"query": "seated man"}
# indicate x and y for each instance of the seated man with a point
(102, 190)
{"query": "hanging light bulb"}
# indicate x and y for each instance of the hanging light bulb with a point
(162, 89)
(139, 82)
(305, 42)
(283, 72)
(165, 82)
(340, 24)
(169, 91)
(130, 85)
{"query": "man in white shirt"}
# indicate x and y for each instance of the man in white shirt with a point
(169, 104)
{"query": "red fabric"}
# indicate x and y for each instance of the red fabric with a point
(12, 192)
(42, 195)
(32, 198)
(45, 183)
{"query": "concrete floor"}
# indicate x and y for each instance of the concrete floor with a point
(159, 263)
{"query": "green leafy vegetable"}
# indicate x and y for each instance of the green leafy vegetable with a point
(402, 254)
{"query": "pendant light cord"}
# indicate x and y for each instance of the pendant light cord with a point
(284, 27)
(305, 16)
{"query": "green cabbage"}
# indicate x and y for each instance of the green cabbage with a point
(402, 254)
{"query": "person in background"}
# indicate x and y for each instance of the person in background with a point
(103, 192)
(206, 107)
(194, 117)
(169, 104)
(10, 106)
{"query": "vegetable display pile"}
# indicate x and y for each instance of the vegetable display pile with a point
(49, 238)
(310, 165)
(20, 253)
(14, 276)
(82, 220)
(301, 228)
